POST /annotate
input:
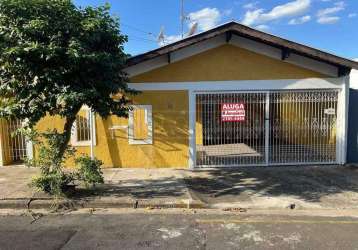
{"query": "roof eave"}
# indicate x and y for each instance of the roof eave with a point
(244, 31)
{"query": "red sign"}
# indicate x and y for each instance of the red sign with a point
(233, 112)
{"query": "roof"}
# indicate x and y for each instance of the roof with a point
(235, 28)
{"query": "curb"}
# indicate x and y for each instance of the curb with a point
(83, 203)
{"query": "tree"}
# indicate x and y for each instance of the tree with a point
(56, 57)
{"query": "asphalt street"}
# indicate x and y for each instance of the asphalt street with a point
(179, 230)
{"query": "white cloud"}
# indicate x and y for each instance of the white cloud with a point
(289, 9)
(250, 6)
(262, 27)
(301, 20)
(206, 18)
(170, 39)
(328, 19)
(325, 16)
(339, 6)
(352, 15)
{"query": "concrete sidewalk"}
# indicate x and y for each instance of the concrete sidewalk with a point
(323, 187)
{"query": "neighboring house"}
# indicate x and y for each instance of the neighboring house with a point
(353, 119)
(230, 96)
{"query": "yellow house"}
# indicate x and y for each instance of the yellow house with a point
(230, 96)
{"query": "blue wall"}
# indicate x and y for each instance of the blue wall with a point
(353, 127)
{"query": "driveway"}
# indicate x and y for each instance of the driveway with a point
(334, 187)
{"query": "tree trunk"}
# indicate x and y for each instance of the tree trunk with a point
(67, 133)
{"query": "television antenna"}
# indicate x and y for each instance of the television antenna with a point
(183, 19)
(193, 29)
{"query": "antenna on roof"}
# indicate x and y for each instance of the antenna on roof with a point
(183, 18)
(193, 29)
(161, 37)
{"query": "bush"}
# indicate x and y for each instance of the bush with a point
(53, 182)
(89, 170)
(53, 179)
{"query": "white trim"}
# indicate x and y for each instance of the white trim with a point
(245, 43)
(192, 132)
(92, 133)
(149, 122)
(147, 66)
(272, 165)
(260, 85)
(93, 142)
(267, 128)
(29, 150)
(341, 140)
(343, 120)
(1, 150)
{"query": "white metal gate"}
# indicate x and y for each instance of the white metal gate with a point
(13, 145)
(276, 127)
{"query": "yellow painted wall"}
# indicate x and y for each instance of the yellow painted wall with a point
(226, 63)
(170, 108)
(5, 142)
(170, 134)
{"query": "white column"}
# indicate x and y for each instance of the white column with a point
(267, 127)
(92, 134)
(192, 121)
(342, 121)
(29, 150)
(1, 150)
(345, 119)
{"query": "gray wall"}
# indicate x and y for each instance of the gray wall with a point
(353, 127)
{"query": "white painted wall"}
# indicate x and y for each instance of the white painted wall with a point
(354, 79)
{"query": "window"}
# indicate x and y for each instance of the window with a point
(140, 125)
(81, 131)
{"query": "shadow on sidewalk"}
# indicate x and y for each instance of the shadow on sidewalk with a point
(309, 184)
(137, 189)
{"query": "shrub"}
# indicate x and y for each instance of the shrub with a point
(54, 183)
(89, 170)
(53, 179)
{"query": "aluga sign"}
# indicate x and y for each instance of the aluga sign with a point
(233, 112)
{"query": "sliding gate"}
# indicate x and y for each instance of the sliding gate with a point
(266, 128)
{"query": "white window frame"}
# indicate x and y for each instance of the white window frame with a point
(149, 121)
(74, 135)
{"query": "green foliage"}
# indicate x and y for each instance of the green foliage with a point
(53, 178)
(89, 170)
(55, 57)
(53, 182)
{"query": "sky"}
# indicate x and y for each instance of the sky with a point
(329, 25)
